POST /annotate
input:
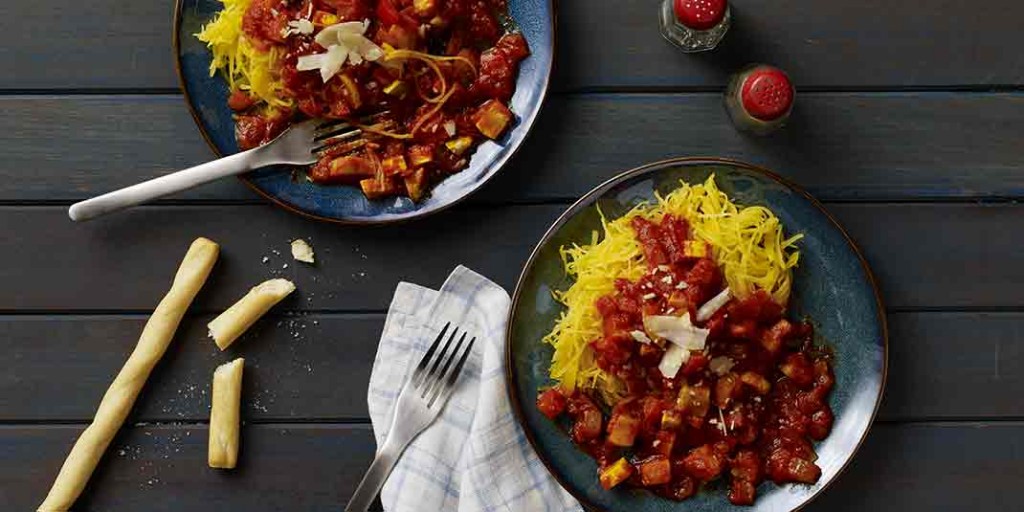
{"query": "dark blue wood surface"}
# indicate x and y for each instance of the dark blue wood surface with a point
(909, 124)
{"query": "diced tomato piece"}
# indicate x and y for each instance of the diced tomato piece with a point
(587, 426)
(671, 419)
(703, 463)
(551, 403)
(758, 383)
(350, 10)
(651, 408)
(696, 364)
(746, 465)
(743, 329)
(616, 473)
(742, 492)
(798, 368)
(773, 338)
(664, 442)
(783, 467)
(821, 423)
(387, 13)
(682, 487)
(823, 377)
(655, 470)
(240, 100)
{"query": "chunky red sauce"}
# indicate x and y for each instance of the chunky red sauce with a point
(441, 141)
(752, 419)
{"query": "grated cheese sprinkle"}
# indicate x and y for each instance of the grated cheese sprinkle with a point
(747, 243)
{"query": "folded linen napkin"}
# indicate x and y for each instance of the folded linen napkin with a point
(474, 457)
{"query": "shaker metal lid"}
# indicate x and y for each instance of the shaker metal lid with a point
(766, 93)
(700, 14)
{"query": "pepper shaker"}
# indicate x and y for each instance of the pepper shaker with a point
(694, 25)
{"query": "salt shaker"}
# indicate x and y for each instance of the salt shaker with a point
(694, 25)
(759, 99)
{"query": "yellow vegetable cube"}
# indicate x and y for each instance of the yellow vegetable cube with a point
(459, 145)
(492, 118)
(695, 249)
(616, 473)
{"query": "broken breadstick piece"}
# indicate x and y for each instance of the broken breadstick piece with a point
(302, 251)
(119, 398)
(227, 327)
(224, 415)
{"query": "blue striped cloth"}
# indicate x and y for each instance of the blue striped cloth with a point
(475, 457)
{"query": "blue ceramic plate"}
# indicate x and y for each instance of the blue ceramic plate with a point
(833, 286)
(207, 98)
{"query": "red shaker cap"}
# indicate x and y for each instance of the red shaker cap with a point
(700, 14)
(766, 93)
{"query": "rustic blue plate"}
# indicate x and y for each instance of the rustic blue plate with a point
(833, 286)
(207, 98)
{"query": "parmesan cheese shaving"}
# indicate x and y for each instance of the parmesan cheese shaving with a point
(712, 306)
(344, 42)
(747, 243)
(678, 330)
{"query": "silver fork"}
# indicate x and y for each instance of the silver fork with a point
(301, 144)
(419, 403)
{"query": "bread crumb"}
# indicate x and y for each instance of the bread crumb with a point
(302, 251)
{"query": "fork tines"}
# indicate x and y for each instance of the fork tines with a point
(334, 131)
(437, 381)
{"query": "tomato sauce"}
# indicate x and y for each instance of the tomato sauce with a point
(746, 408)
(426, 144)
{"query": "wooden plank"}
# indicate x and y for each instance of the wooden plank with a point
(958, 466)
(840, 146)
(316, 367)
(303, 367)
(120, 44)
(950, 256)
(286, 467)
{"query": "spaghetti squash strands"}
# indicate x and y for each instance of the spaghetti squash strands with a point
(746, 242)
(244, 66)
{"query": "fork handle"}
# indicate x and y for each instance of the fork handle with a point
(162, 186)
(379, 470)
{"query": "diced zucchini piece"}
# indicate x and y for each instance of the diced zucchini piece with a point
(420, 155)
(416, 184)
(622, 429)
(671, 419)
(375, 188)
(492, 118)
(459, 145)
(695, 400)
(394, 166)
(615, 474)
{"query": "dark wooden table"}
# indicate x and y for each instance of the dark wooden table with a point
(909, 125)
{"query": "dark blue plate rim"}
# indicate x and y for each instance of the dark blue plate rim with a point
(492, 169)
(586, 201)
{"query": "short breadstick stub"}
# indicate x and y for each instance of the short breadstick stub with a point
(224, 415)
(227, 327)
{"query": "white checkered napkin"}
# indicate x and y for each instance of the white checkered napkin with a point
(474, 457)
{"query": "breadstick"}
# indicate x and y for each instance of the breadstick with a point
(227, 327)
(224, 415)
(119, 398)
